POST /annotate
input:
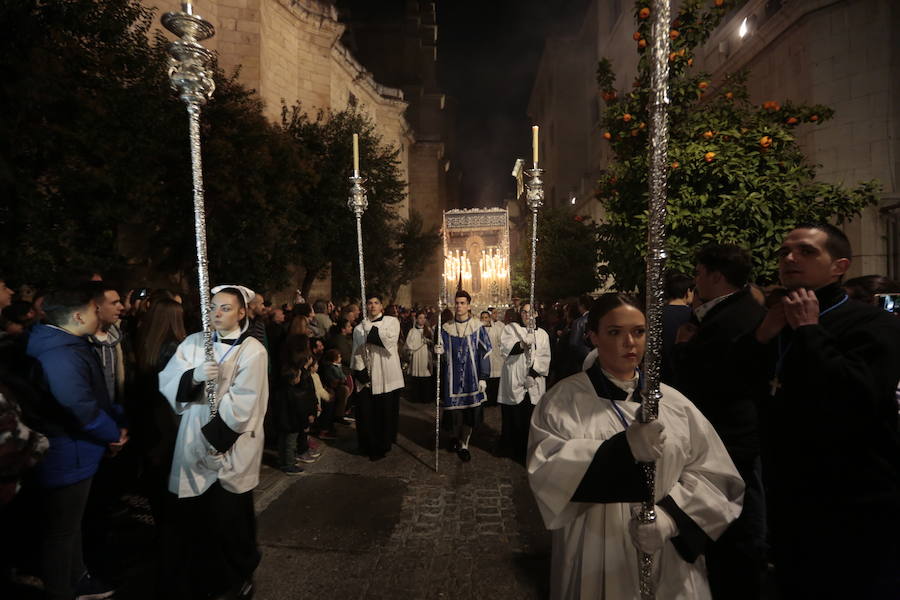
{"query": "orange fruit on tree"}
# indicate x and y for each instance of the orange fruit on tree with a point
(765, 141)
(690, 62)
(708, 134)
(792, 121)
(672, 56)
(642, 43)
(674, 34)
(814, 118)
(703, 85)
(675, 165)
(641, 125)
(626, 117)
(719, 3)
(644, 13)
(729, 95)
(607, 135)
(636, 35)
(709, 156)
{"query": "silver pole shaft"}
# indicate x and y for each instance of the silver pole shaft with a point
(533, 314)
(202, 260)
(656, 256)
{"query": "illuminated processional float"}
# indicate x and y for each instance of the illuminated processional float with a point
(476, 255)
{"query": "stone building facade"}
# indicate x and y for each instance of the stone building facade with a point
(841, 53)
(397, 40)
(292, 51)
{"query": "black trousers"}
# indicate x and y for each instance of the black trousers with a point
(736, 561)
(377, 419)
(493, 389)
(62, 560)
(516, 421)
(209, 544)
(421, 389)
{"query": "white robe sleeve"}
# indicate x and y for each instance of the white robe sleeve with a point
(358, 360)
(541, 353)
(187, 356)
(709, 489)
(557, 458)
(508, 339)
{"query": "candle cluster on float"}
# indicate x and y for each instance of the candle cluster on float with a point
(458, 263)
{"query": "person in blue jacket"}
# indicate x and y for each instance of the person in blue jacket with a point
(82, 426)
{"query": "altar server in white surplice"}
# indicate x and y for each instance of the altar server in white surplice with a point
(526, 364)
(216, 461)
(583, 468)
(379, 378)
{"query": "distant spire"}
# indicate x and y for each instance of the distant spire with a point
(459, 283)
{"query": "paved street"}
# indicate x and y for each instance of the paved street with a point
(350, 528)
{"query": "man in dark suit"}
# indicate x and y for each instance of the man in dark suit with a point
(706, 372)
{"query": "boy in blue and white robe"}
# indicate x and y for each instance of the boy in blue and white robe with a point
(465, 368)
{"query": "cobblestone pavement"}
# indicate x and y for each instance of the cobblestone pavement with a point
(350, 528)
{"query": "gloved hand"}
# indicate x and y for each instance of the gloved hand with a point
(530, 382)
(530, 340)
(646, 440)
(208, 371)
(651, 537)
(482, 385)
(438, 349)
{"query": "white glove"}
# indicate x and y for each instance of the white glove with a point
(482, 385)
(438, 349)
(208, 371)
(530, 340)
(651, 537)
(646, 440)
(530, 382)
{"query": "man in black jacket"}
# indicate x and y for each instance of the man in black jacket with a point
(705, 372)
(831, 450)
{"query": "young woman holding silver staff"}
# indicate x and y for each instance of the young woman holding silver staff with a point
(585, 452)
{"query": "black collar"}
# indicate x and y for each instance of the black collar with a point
(235, 341)
(380, 317)
(607, 389)
(830, 295)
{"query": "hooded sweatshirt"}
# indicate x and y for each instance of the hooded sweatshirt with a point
(111, 360)
(76, 414)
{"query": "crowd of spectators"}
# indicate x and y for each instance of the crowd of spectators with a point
(82, 419)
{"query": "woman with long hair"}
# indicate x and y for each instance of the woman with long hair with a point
(154, 424)
(585, 452)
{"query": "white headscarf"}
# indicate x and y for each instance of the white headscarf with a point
(246, 292)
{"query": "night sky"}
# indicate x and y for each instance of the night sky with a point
(488, 51)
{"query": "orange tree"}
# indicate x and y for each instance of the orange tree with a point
(736, 173)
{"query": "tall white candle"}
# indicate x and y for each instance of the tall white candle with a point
(355, 153)
(534, 144)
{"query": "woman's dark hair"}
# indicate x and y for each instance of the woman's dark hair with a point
(864, 288)
(606, 303)
(295, 354)
(163, 323)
